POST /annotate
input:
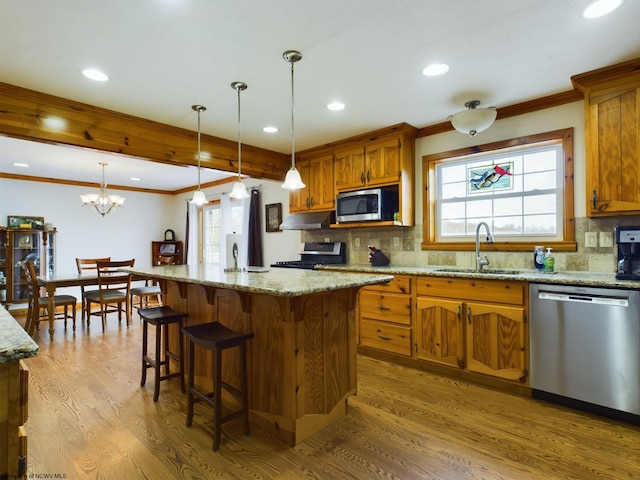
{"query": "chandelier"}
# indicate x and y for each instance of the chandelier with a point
(101, 202)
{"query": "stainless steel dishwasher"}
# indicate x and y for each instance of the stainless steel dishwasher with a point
(585, 348)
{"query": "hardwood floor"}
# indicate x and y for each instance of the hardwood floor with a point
(89, 418)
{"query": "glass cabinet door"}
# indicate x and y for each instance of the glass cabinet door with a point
(25, 246)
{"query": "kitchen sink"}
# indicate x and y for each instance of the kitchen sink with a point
(492, 271)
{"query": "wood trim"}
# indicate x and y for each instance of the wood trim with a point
(24, 114)
(584, 82)
(513, 110)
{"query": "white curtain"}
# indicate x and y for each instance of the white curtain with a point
(192, 250)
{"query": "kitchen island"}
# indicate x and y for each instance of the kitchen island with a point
(302, 361)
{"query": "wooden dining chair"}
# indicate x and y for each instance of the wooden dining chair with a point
(113, 293)
(37, 307)
(87, 266)
(146, 292)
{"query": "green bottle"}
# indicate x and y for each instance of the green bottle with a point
(549, 261)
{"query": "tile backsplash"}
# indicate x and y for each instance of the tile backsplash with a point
(402, 246)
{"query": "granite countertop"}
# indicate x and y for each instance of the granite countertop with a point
(526, 275)
(282, 282)
(15, 343)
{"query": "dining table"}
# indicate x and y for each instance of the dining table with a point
(52, 282)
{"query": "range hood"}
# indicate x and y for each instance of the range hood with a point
(308, 220)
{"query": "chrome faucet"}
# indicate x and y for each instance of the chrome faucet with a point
(480, 262)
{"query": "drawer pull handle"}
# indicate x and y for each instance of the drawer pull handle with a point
(459, 312)
(383, 308)
(382, 337)
(469, 315)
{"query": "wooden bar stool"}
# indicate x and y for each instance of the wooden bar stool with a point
(216, 337)
(161, 317)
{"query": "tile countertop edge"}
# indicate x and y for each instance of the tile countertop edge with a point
(15, 343)
(579, 278)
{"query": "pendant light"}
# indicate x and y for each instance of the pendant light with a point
(473, 120)
(198, 198)
(239, 190)
(101, 202)
(292, 181)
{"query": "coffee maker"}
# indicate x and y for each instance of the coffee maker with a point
(628, 241)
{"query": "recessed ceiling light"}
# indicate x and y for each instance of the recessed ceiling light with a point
(336, 106)
(435, 69)
(55, 123)
(270, 129)
(21, 165)
(95, 74)
(600, 8)
(134, 179)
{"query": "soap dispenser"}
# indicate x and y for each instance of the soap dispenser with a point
(549, 261)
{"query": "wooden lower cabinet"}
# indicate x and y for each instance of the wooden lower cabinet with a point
(475, 329)
(14, 384)
(385, 320)
(487, 336)
(496, 341)
(440, 331)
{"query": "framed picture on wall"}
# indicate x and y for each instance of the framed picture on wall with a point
(29, 223)
(273, 217)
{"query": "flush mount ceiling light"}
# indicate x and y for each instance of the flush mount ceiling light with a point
(601, 8)
(336, 106)
(198, 197)
(473, 120)
(292, 181)
(270, 129)
(101, 202)
(239, 190)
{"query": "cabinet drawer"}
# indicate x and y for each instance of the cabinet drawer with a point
(389, 307)
(385, 336)
(399, 284)
(495, 291)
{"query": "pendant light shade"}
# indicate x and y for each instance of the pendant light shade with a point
(199, 198)
(473, 120)
(101, 202)
(239, 190)
(292, 181)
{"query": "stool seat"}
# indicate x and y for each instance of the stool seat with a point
(216, 337)
(161, 317)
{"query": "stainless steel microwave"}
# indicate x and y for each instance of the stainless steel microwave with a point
(374, 204)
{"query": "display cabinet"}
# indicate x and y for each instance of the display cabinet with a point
(167, 248)
(17, 246)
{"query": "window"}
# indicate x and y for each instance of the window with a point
(212, 228)
(523, 188)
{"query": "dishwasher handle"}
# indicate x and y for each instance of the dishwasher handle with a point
(579, 298)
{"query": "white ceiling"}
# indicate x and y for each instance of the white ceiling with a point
(165, 55)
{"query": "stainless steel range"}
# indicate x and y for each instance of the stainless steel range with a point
(316, 253)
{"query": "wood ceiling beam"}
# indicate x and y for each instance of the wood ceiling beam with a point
(40, 117)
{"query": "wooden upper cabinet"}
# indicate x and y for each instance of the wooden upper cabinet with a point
(350, 169)
(382, 162)
(612, 137)
(319, 194)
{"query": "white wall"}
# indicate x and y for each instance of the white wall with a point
(557, 118)
(276, 245)
(126, 232)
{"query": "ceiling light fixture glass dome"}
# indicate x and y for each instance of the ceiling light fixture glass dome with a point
(473, 120)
